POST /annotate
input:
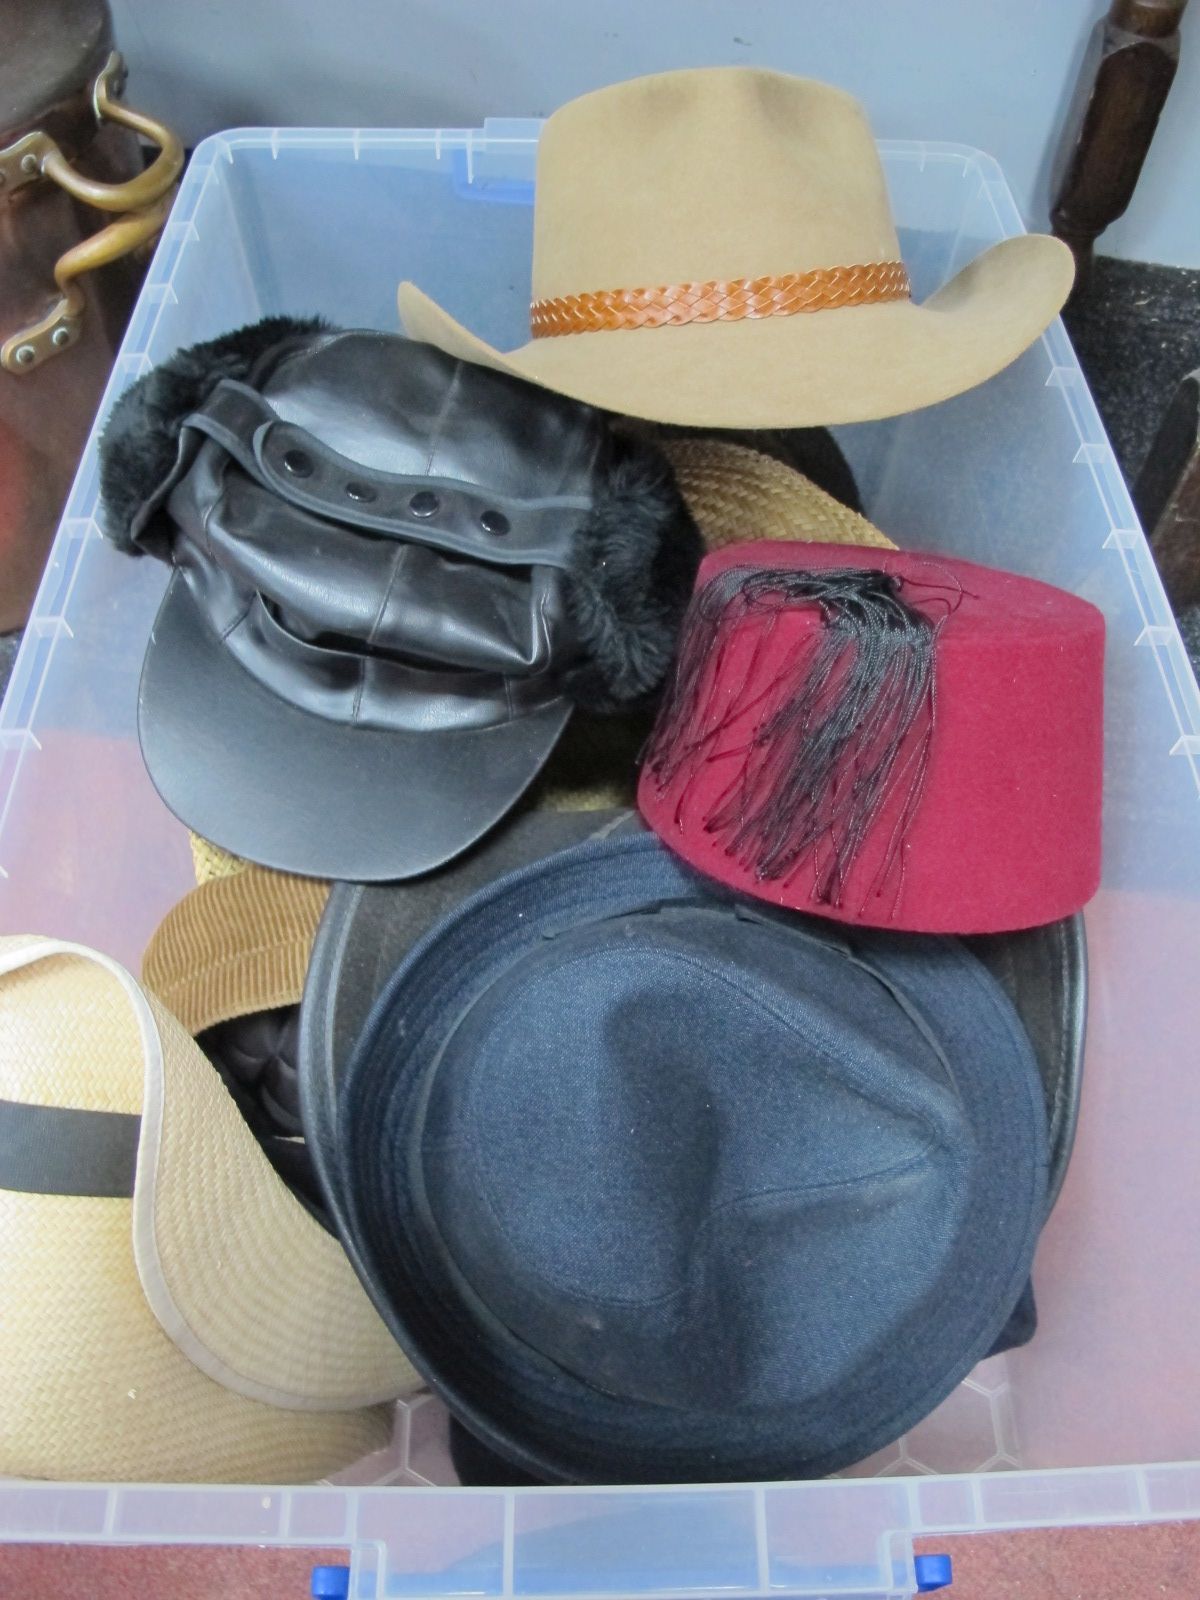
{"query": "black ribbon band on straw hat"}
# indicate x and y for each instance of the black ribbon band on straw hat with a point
(66, 1150)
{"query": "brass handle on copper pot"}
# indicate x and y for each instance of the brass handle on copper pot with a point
(146, 200)
(60, 326)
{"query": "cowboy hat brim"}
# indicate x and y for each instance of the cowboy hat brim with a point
(853, 364)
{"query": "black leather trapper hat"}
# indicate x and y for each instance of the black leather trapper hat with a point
(394, 576)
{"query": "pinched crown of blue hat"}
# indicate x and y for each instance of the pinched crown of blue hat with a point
(654, 1185)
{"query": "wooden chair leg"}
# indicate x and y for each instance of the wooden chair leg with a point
(1123, 83)
(1167, 495)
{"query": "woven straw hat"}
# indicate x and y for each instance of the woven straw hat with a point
(716, 247)
(209, 861)
(736, 493)
(170, 1311)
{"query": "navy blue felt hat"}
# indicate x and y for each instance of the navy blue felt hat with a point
(657, 1185)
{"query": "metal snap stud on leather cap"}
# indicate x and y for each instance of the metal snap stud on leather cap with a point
(298, 463)
(360, 491)
(495, 523)
(424, 503)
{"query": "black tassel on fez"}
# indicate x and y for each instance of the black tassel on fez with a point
(837, 733)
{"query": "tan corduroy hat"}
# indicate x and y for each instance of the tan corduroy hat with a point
(237, 943)
(716, 247)
(169, 1309)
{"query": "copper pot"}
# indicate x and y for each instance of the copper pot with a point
(68, 150)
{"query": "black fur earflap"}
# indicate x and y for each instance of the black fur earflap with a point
(634, 568)
(141, 437)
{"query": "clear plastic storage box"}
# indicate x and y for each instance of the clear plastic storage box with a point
(1098, 1420)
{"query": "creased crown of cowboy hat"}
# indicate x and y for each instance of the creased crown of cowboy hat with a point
(716, 247)
(171, 1311)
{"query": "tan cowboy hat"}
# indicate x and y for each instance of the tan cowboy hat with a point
(716, 247)
(170, 1311)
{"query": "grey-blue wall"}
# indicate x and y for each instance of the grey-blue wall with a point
(991, 73)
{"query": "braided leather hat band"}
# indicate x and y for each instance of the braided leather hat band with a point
(721, 300)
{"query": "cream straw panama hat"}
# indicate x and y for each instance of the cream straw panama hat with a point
(170, 1311)
(716, 247)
